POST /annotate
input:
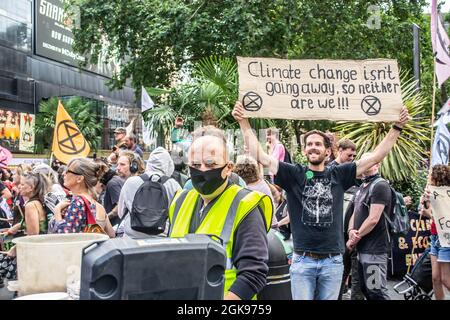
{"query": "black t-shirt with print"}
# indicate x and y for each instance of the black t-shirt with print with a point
(377, 241)
(315, 205)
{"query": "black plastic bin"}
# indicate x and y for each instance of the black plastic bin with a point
(278, 285)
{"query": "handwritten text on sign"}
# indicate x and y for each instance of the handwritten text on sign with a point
(366, 90)
(440, 203)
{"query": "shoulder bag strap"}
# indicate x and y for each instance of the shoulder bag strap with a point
(87, 205)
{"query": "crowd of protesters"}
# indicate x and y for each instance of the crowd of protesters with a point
(329, 247)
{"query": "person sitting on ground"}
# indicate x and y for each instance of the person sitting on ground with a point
(80, 178)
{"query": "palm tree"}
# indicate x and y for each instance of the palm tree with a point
(81, 112)
(409, 152)
(208, 96)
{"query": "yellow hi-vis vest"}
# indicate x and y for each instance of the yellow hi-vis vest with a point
(222, 220)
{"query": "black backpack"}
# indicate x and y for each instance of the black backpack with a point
(397, 220)
(150, 208)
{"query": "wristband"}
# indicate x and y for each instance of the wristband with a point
(397, 128)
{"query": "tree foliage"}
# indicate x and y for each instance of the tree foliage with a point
(81, 112)
(155, 39)
(407, 155)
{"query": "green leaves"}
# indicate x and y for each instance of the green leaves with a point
(407, 155)
(83, 114)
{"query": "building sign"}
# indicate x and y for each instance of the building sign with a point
(117, 113)
(350, 90)
(17, 131)
(54, 38)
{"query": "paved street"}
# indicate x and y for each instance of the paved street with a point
(6, 295)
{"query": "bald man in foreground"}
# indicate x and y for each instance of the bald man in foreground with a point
(216, 206)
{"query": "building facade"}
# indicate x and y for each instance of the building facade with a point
(37, 63)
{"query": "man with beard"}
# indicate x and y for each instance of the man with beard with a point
(315, 195)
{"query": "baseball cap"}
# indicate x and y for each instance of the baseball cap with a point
(120, 130)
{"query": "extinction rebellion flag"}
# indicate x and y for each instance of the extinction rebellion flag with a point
(68, 141)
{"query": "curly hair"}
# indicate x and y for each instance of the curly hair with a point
(440, 175)
(247, 168)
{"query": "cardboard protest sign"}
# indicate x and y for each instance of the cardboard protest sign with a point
(351, 90)
(440, 203)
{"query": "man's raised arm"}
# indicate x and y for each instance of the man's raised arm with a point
(385, 146)
(251, 141)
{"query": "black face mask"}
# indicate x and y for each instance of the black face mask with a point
(206, 182)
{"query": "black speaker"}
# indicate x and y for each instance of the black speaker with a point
(190, 268)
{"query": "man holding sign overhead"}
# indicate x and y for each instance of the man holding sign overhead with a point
(315, 196)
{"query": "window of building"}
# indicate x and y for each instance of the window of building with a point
(16, 24)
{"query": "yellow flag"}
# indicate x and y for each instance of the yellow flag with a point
(68, 141)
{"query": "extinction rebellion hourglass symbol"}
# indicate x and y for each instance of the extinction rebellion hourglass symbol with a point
(371, 105)
(252, 101)
(66, 134)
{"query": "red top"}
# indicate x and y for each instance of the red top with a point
(433, 228)
(10, 185)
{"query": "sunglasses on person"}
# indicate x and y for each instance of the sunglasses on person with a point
(73, 172)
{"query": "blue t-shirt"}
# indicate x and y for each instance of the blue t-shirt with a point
(315, 205)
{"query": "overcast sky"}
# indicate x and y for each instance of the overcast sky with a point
(445, 7)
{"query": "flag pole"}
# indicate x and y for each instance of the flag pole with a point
(433, 105)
